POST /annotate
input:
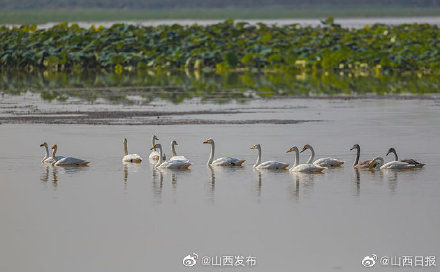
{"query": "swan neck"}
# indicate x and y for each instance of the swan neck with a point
(47, 153)
(312, 155)
(211, 156)
(125, 149)
(159, 162)
(395, 155)
(173, 150)
(258, 162)
(53, 153)
(296, 158)
(358, 154)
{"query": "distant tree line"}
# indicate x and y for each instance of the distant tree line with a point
(156, 4)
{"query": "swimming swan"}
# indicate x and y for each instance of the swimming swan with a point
(225, 161)
(173, 153)
(268, 164)
(410, 161)
(356, 163)
(47, 158)
(172, 164)
(130, 157)
(323, 162)
(67, 161)
(378, 162)
(154, 155)
(305, 167)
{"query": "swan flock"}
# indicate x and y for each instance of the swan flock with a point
(157, 158)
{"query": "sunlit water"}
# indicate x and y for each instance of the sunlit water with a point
(111, 217)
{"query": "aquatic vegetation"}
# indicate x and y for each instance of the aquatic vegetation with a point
(222, 47)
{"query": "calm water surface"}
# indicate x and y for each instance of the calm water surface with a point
(111, 217)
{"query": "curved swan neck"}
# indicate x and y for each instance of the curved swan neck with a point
(159, 162)
(173, 149)
(358, 154)
(125, 148)
(54, 152)
(395, 155)
(211, 156)
(312, 156)
(154, 142)
(47, 153)
(258, 162)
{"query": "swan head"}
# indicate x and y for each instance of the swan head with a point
(307, 146)
(294, 148)
(174, 142)
(155, 138)
(356, 146)
(257, 146)
(156, 146)
(125, 140)
(43, 144)
(391, 150)
(54, 147)
(209, 141)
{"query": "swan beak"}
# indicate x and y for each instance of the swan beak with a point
(206, 142)
(253, 147)
(54, 146)
(388, 153)
(304, 149)
(41, 145)
(154, 147)
(290, 150)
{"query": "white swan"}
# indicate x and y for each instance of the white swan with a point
(410, 161)
(268, 164)
(225, 161)
(154, 155)
(378, 162)
(130, 157)
(172, 164)
(323, 162)
(47, 158)
(173, 153)
(67, 161)
(305, 167)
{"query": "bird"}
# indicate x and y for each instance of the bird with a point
(154, 155)
(135, 158)
(268, 164)
(356, 163)
(171, 164)
(323, 162)
(47, 158)
(410, 161)
(305, 167)
(224, 161)
(378, 162)
(67, 161)
(173, 153)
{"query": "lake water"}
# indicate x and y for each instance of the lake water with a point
(115, 217)
(344, 22)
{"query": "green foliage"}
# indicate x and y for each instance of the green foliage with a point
(223, 46)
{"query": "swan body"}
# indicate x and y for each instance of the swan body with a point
(225, 161)
(323, 162)
(135, 158)
(47, 158)
(268, 164)
(154, 155)
(409, 161)
(171, 164)
(357, 163)
(67, 161)
(378, 162)
(174, 156)
(305, 167)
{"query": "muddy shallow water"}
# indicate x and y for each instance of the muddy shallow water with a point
(115, 217)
